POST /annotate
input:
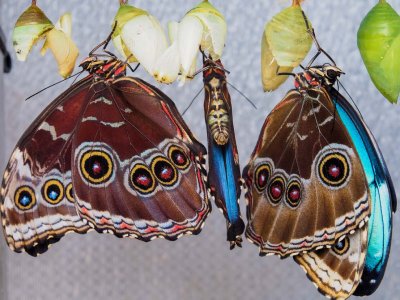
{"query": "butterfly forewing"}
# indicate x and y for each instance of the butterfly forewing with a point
(37, 201)
(306, 184)
(137, 168)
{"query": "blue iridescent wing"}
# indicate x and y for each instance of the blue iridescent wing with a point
(382, 195)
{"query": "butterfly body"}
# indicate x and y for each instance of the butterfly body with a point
(111, 153)
(224, 170)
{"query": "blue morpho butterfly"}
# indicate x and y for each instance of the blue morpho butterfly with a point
(315, 178)
(223, 158)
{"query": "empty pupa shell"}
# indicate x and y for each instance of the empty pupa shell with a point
(285, 43)
(124, 15)
(271, 80)
(288, 37)
(379, 43)
(59, 41)
(29, 28)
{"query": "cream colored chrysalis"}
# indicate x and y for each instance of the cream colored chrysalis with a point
(285, 43)
(139, 37)
(62, 46)
(205, 27)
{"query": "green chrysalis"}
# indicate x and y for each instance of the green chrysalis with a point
(378, 39)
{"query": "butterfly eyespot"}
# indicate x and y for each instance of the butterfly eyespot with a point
(69, 192)
(276, 189)
(141, 179)
(25, 198)
(96, 166)
(53, 191)
(333, 169)
(341, 247)
(294, 193)
(261, 176)
(178, 157)
(164, 171)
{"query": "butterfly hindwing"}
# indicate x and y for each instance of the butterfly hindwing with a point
(306, 184)
(37, 202)
(337, 271)
(137, 168)
(223, 157)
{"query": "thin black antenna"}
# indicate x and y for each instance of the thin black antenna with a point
(191, 102)
(76, 74)
(243, 95)
(351, 98)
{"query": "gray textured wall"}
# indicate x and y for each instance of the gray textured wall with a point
(103, 267)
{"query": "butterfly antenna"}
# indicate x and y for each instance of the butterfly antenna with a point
(74, 75)
(348, 94)
(242, 94)
(191, 102)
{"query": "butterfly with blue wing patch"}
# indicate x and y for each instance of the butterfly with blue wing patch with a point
(354, 262)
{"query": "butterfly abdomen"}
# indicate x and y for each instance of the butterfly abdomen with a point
(218, 113)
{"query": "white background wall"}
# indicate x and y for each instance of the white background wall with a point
(103, 267)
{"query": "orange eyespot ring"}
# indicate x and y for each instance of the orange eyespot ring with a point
(294, 193)
(164, 171)
(69, 192)
(333, 169)
(178, 157)
(276, 189)
(141, 179)
(24, 198)
(342, 247)
(53, 191)
(96, 166)
(261, 176)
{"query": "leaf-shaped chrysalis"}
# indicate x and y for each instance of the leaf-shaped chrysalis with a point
(379, 43)
(285, 43)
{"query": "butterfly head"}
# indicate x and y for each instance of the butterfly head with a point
(326, 74)
(317, 76)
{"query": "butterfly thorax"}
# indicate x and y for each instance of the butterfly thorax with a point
(111, 68)
(216, 105)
